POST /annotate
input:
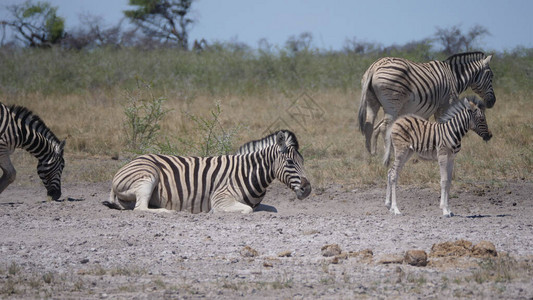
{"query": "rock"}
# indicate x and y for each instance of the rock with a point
(287, 253)
(484, 249)
(248, 251)
(331, 250)
(363, 255)
(417, 258)
(390, 259)
(458, 248)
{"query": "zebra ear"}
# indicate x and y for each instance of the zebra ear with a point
(486, 61)
(281, 141)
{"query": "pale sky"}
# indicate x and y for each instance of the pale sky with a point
(385, 22)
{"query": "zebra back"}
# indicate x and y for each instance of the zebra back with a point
(255, 145)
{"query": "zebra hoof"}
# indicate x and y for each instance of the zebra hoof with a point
(449, 214)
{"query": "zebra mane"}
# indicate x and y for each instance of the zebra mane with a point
(466, 57)
(290, 140)
(459, 106)
(34, 121)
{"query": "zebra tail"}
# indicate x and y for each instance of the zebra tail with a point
(365, 83)
(112, 203)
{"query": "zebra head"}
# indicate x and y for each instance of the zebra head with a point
(289, 167)
(482, 82)
(478, 122)
(50, 169)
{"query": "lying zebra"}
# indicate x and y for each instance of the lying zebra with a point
(434, 141)
(20, 128)
(227, 183)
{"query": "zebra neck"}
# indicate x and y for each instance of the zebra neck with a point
(455, 128)
(259, 170)
(42, 145)
(464, 73)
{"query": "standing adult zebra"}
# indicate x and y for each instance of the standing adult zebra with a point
(402, 87)
(227, 183)
(20, 128)
(434, 141)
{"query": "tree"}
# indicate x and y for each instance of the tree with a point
(299, 43)
(454, 41)
(166, 20)
(93, 33)
(36, 24)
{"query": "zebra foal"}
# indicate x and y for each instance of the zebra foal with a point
(404, 87)
(227, 183)
(433, 141)
(20, 128)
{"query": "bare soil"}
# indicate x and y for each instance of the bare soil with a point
(78, 248)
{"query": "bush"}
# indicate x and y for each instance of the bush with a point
(143, 113)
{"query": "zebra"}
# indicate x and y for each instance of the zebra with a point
(20, 128)
(402, 87)
(227, 183)
(439, 141)
(290, 140)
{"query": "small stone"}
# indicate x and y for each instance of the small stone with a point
(84, 261)
(266, 264)
(287, 253)
(248, 251)
(331, 250)
(417, 258)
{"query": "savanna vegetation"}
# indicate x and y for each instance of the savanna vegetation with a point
(211, 99)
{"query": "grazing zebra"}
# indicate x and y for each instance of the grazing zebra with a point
(403, 87)
(20, 128)
(227, 183)
(252, 146)
(434, 141)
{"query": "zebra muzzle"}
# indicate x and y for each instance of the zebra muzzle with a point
(487, 136)
(304, 190)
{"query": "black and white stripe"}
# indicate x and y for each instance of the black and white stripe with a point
(269, 140)
(201, 184)
(434, 141)
(20, 128)
(404, 87)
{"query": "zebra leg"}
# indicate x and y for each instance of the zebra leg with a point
(224, 201)
(446, 170)
(9, 172)
(231, 205)
(143, 194)
(401, 157)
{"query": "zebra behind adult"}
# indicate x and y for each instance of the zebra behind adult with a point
(404, 87)
(20, 128)
(227, 183)
(434, 141)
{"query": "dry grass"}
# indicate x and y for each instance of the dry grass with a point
(330, 140)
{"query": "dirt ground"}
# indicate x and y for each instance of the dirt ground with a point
(78, 248)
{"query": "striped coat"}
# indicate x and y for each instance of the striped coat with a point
(439, 141)
(404, 87)
(202, 184)
(20, 128)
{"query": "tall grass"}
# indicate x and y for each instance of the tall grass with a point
(82, 95)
